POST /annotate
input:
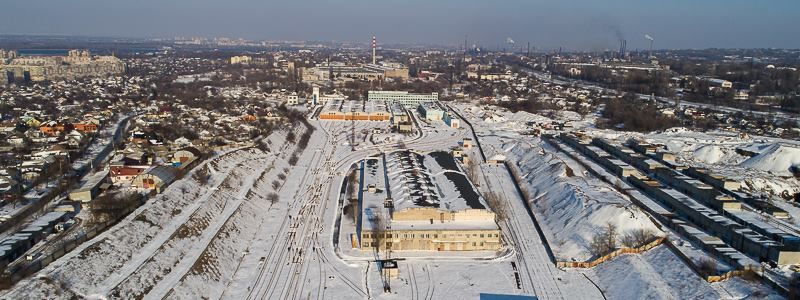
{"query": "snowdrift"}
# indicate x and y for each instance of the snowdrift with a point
(657, 273)
(572, 210)
(715, 154)
(778, 159)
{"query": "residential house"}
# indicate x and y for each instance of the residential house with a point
(121, 173)
(156, 178)
(86, 127)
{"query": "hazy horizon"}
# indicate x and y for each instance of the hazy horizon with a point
(572, 24)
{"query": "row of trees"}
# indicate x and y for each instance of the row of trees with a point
(633, 114)
(634, 81)
(609, 239)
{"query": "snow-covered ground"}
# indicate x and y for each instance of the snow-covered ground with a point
(657, 273)
(227, 240)
(158, 239)
(572, 205)
(767, 172)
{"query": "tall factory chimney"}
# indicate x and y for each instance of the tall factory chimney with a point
(374, 48)
(528, 53)
(624, 48)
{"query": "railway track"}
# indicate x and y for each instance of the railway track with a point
(288, 271)
(209, 214)
(113, 282)
(285, 273)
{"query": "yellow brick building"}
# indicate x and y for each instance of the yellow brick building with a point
(432, 229)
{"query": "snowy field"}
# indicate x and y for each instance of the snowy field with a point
(262, 228)
(572, 205)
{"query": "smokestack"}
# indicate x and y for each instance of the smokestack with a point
(624, 48)
(465, 50)
(528, 54)
(651, 39)
(374, 48)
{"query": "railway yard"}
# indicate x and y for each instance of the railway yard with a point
(268, 225)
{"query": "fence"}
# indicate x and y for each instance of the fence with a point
(731, 274)
(607, 257)
(661, 241)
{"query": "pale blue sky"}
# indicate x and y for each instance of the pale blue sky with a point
(575, 24)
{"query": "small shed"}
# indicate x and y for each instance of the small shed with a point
(468, 143)
(389, 268)
(497, 159)
(90, 188)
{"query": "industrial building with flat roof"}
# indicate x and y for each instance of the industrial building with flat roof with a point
(401, 119)
(403, 207)
(368, 72)
(402, 97)
(90, 188)
(431, 111)
(690, 200)
(355, 110)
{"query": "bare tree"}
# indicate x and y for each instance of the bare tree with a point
(202, 175)
(638, 237)
(706, 266)
(473, 171)
(604, 242)
(352, 183)
(497, 205)
(272, 198)
(111, 207)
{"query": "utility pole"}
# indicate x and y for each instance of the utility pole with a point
(353, 128)
(330, 72)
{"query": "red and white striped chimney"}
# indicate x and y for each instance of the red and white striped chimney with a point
(374, 47)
